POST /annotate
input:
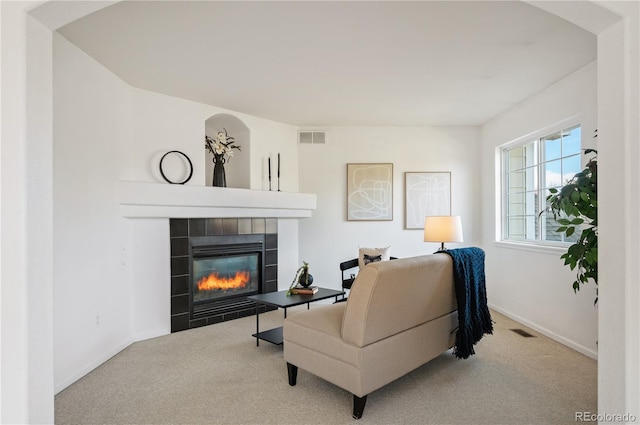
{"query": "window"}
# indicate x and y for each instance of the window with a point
(530, 167)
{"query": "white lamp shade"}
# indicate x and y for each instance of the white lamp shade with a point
(442, 229)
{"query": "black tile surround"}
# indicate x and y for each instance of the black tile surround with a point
(180, 231)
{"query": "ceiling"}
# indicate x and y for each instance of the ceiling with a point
(317, 64)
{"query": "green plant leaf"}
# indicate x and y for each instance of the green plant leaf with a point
(576, 204)
(575, 196)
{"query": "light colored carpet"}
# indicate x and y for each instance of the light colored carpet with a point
(217, 375)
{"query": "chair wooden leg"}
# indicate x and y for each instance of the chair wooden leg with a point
(358, 406)
(293, 373)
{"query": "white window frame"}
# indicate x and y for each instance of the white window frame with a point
(536, 137)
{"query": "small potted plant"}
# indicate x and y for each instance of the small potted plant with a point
(302, 278)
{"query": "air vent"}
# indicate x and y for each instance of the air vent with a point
(523, 333)
(311, 137)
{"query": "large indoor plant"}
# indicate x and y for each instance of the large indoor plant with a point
(575, 208)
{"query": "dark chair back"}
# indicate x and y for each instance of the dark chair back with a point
(348, 265)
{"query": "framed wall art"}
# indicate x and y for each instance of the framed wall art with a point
(426, 193)
(369, 192)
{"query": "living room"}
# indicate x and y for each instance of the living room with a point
(93, 108)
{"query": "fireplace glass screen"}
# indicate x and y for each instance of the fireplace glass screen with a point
(225, 276)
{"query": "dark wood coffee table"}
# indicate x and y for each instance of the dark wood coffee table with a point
(280, 300)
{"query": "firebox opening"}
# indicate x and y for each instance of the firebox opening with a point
(223, 271)
(225, 276)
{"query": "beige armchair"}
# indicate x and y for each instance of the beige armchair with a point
(399, 315)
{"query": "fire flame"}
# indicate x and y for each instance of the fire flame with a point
(215, 281)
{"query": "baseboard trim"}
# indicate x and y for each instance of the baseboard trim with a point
(546, 332)
(91, 366)
(151, 334)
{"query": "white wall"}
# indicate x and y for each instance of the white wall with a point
(104, 266)
(328, 238)
(91, 313)
(533, 286)
(150, 280)
(163, 123)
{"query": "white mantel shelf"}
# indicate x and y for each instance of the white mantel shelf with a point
(156, 200)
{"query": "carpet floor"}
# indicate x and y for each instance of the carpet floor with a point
(217, 375)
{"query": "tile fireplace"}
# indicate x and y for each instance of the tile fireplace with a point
(215, 264)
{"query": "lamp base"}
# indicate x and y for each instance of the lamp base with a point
(441, 249)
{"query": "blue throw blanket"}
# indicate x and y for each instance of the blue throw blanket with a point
(474, 319)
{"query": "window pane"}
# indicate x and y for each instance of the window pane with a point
(550, 230)
(516, 181)
(552, 146)
(522, 228)
(549, 224)
(531, 178)
(521, 156)
(515, 158)
(531, 202)
(571, 141)
(516, 204)
(526, 186)
(516, 198)
(570, 166)
(552, 174)
(517, 228)
(532, 226)
(521, 203)
(519, 181)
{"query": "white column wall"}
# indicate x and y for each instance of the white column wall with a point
(619, 215)
(14, 391)
(26, 390)
(632, 290)
(532, 285)
(39, 221)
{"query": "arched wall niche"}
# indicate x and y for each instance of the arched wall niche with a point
(238, 169)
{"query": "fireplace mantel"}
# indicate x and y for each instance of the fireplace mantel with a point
(154, 200)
